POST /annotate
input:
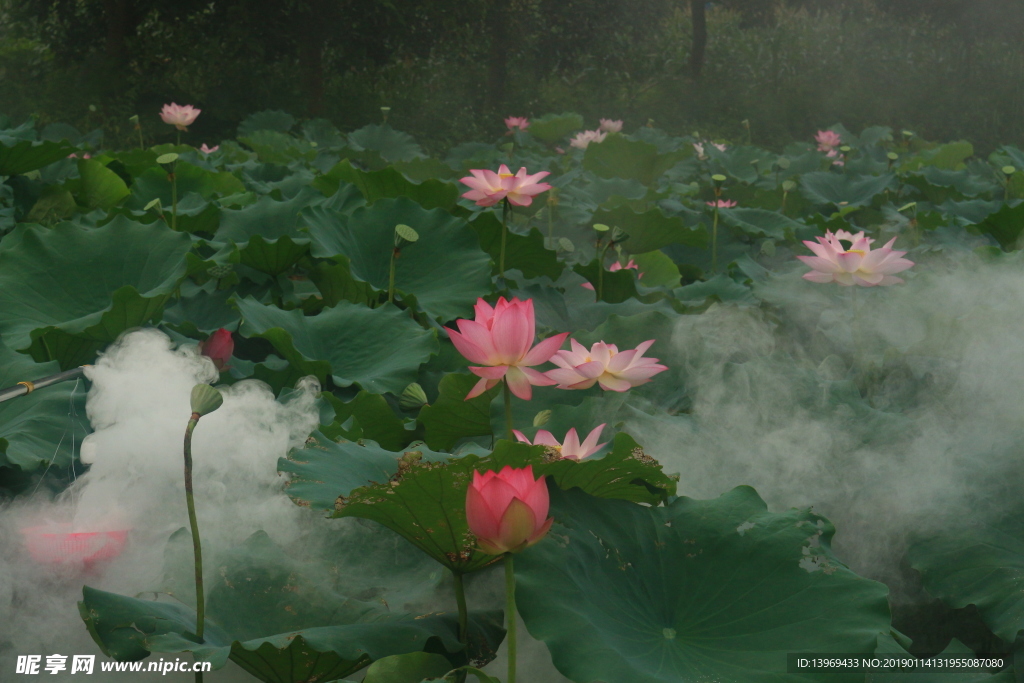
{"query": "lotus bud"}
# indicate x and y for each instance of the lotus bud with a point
(412, 397)
(205, 400)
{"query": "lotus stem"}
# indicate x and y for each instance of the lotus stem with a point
(510, 612)
(506, 209)
(391, 277)
(600, 271)
(714, 241)
(174, 199)
(508, 410)
(460, 599)
(194, 523)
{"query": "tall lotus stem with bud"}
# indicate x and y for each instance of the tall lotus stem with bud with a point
(171, 159)
(403, 235)
(205, 400)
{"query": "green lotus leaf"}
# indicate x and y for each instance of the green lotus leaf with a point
(393, 145)
(267, 218)
(39, 429)
(451, 417)
(273, 147)
(202, 312)
(656, 269)
(371, 418)
(425, 501)
(652, 229)
(272, 257)
(615, 287)
(950, 157)
(270, 119)
(97, 186)
(378, 348)
(761, 222)
(389, 183)
(155, 183)
(1005, 226)
(699, 590)
(336, 283)
(407, 668)
(981, 564)
(259, 613)
(54, 203)
(445, 269)
(553, 127)
(888, 647)
(525, 253)
(826, 187)
(620, 157)
(25, 155)
(324, 469)
(71, 290)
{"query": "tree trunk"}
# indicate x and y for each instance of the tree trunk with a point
(700, 37)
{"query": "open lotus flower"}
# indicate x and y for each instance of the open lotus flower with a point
(514, 122)
(610, 126)
(827, 140)
(507, 510)
(218, 347)
(208, 150)
(722, 203)
(489, 187)
(583, 140)
(571, 448)
(858, 265)
(500, 339)
(179, 116)
(615, 267)
(605, 365)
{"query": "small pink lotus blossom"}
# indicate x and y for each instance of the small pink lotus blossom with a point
(514, 122)
(615, 267)
(489, 188)
(611, 126)
(507, 510)
(827, 140)
(582, 140)
(699, 148)
(603, 364)
(74, 155)
(571, 448)
(858, 265)
(722, 204)
(559, 150)
(208, 150)
(179, 116)
(500, 339)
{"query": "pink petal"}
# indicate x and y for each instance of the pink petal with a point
(815, 276)
(545, 438)
(479, 388)
(522, 437)
(482, 521)
(470, 350)
(519, 383)
(517, 526)
(536, 377)
(611, 383)
(491, 372)
(544, 350)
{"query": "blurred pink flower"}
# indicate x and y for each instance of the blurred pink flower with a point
(500, 339)
(218, 347)
(507, 511)
(582, 140)
(603, 364)
(179, 116)
(617, 267)
(858, 265)
(489, 188)
(74, 155)
(571, 448)
(827, 140)
(514, 122)
(699, 148)
(611, 126)
(722, 203)
(208, 150)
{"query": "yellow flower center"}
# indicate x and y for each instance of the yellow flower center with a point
(506, 175)
(856, 251)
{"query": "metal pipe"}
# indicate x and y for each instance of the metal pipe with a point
(27, 387)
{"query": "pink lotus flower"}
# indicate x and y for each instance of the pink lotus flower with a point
(571, 448)
(610, 126)
(699, 148)
(827, 140)
(604, 365)
(514, 122)
(208, 150)
(489, 187)
(500, 339)
(507, 510)
(615, 267)
(74, 155)
(583, 140)
(218, 347)
(179, 116)
(722, 204)
(858, 265)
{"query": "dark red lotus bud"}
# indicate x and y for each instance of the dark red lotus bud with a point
(218, 347)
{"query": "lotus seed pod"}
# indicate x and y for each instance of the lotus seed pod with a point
(205, 399)
(221, 271)
(412, 397)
